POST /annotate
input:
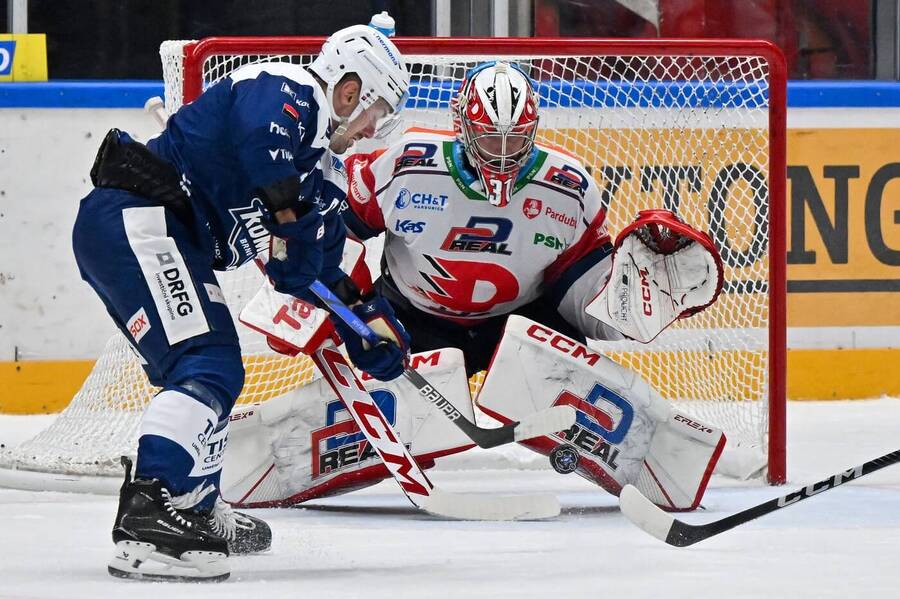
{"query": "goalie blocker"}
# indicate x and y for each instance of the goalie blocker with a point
(625, 432)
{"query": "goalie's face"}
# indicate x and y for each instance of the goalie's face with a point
(496, 119)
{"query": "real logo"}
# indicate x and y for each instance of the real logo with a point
(416, 155)
(481, 234)
(567, 177)
(340, 443)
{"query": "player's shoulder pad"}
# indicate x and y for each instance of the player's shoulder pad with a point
(564, 170)
(295, 73)
(301, 91)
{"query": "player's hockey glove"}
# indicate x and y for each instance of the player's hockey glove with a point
(387, 360)
(296, 253)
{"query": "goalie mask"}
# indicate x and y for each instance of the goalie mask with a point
(384, 79)
(495, 118)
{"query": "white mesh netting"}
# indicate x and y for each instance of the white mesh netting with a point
(688, 133)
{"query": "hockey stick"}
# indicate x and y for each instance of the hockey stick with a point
(544, 422)
(665, 527)
(400, 463)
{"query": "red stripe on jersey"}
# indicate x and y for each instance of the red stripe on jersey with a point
(361, 189)
(595, 236)
(290, 111)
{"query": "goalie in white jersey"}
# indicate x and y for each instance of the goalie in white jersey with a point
(482, 224)
(485, 222)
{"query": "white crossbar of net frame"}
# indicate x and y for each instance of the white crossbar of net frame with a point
(695, 126)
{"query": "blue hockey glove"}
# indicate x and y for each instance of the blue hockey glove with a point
(387, 360)
(297, 254)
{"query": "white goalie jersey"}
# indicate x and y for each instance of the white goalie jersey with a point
(452, 254)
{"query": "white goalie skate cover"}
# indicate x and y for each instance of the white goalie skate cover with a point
(662, 270)
(625, 432)
(293, 326)
(305, 445)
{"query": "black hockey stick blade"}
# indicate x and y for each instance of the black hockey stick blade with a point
(665, 527)
(544, 422)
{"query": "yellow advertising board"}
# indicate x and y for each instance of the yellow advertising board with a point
(23, 57)
(844, 224)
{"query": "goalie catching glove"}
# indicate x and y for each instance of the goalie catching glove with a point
(663, 269)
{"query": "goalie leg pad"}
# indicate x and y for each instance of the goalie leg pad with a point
(625, 432)
(304, 445)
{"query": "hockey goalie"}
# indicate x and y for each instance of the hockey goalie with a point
(496, 257)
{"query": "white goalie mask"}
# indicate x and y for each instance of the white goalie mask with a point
(495, 118)
(373, 58)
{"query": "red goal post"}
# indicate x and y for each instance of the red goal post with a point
(697, 126)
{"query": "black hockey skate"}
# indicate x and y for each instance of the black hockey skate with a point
(244, 533)
(156, 541)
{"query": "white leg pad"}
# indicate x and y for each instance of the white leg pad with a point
(681, 459)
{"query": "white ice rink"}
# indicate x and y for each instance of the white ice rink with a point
(844, 543)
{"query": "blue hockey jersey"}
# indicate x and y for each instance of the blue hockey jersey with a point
(261, 124)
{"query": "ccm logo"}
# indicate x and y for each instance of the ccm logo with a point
(562, 343)
(645, 292)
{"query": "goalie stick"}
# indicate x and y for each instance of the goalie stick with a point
(665, 527)
(544, 422)
(400, 463)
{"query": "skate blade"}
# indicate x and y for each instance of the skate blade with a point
(140, 561)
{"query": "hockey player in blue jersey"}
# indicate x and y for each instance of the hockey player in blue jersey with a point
(240, 163)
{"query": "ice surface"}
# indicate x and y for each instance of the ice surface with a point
(844, 543)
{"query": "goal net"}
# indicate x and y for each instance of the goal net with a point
(693, 126)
